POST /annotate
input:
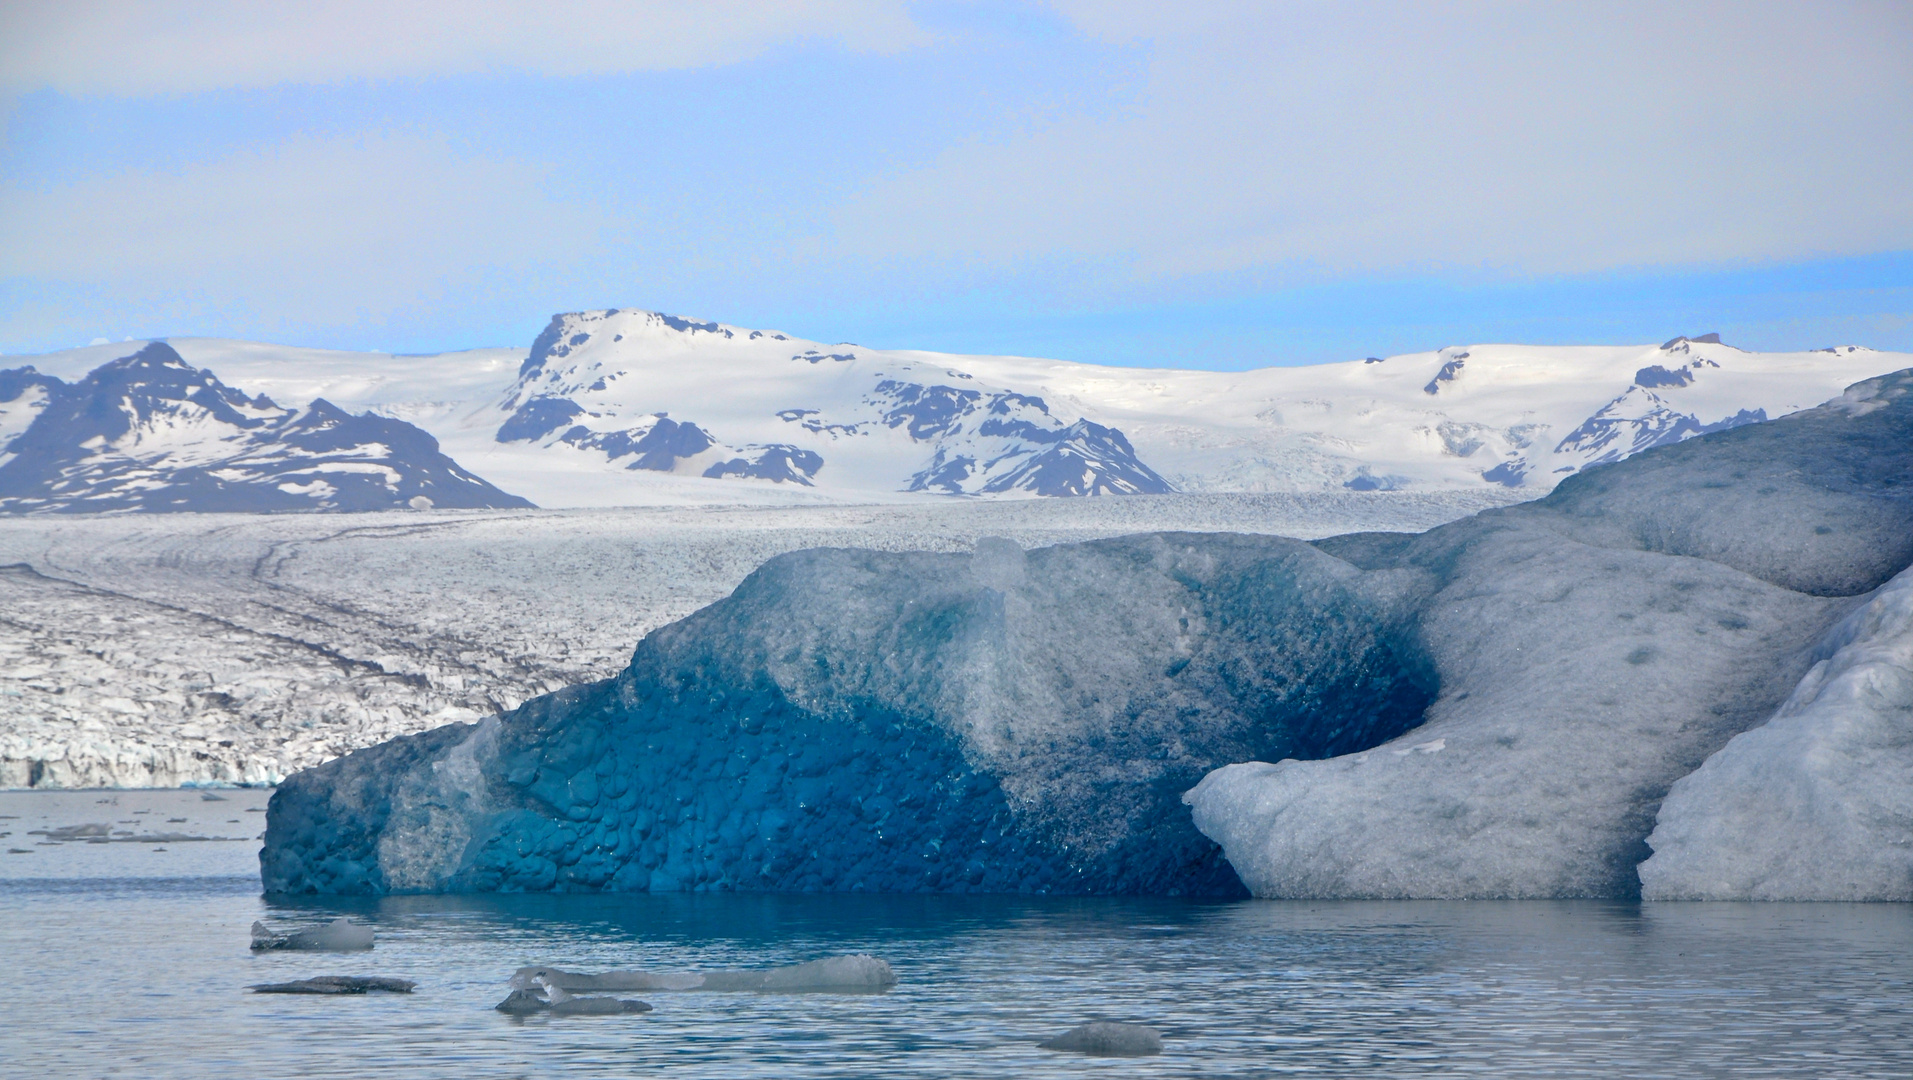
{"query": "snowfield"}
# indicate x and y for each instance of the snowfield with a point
(159, 650)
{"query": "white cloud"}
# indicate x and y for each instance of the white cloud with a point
(321, 230)
(136, 47)
(1535, 137)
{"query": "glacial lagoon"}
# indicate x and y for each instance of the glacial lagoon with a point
(131, 961)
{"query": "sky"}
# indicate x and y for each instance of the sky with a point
(1209, 185)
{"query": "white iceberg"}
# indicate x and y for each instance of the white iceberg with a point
(1817, 804)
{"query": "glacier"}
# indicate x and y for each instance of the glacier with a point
(1494, 708)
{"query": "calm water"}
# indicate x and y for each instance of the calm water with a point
(127, 961)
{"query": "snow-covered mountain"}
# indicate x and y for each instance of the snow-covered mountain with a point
(628, 407)
(753, 405)
(150, 432)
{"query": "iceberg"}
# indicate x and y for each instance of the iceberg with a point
(1592, 649)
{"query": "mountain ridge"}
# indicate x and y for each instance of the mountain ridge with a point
(150, 432)
(1510, 417)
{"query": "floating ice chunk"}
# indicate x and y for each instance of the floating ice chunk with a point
(337, 984)
(1104, 1039)
(535, 975)
(542, 997)
(564, 1004)
(523, 1002)
(339, 935)
(1818, 803)
(857, 974)
(853, 974)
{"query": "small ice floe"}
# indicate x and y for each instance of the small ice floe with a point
(207, 796)
(544, 997)
(1104, 1039)
(854, 974)
(339, 935)
(337, 984)
(103, 833)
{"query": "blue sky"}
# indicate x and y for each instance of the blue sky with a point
(1218, 185)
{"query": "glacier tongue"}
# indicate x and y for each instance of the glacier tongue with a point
(999, 722)
(1817, 804)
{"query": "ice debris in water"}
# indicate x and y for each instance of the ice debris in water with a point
(339, 935)
(1104, 1039)
(337, 984)
(1816, 804)
(1595, 647)
(1494, 708)
(542, 996)
(853, 974)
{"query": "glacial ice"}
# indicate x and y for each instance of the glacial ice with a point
(1494, 708)
(1592, 648)
(1816, 804)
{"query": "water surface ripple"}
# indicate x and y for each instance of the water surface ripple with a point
(143, 976)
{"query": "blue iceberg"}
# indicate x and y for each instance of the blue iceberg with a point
(1002, 721)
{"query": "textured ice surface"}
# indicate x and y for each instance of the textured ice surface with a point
(1816, 804)
(1592, 648)
(850, 719)
(176, 649)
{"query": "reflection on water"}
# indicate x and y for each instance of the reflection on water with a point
(142, 976)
